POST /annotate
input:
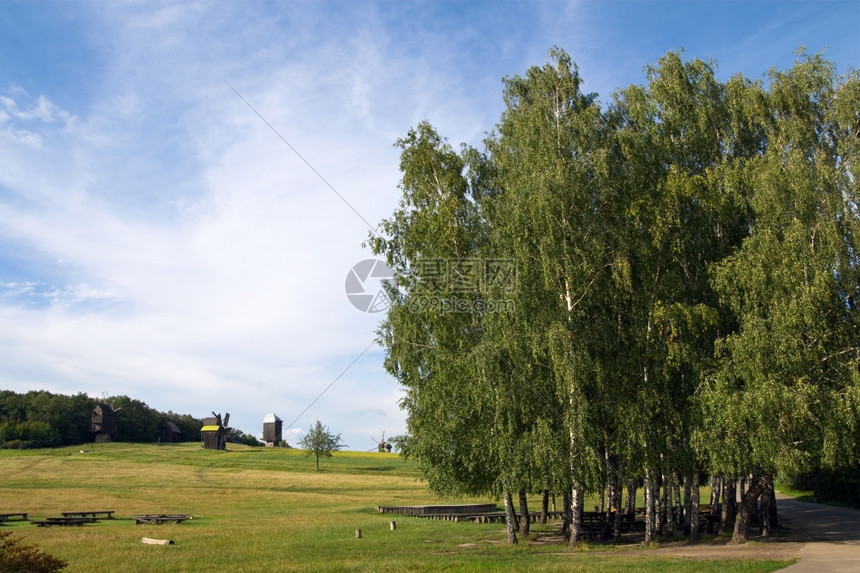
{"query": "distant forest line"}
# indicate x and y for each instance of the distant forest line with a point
(40, 419)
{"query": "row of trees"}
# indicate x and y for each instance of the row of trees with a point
(42, 419)
(668, 287)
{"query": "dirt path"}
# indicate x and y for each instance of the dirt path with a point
(831, 536)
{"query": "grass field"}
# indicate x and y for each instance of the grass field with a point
(268, 510)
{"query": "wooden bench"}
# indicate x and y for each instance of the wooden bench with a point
(597, 526)
(629, 523)
(594, 530)
(96, 514)
(161, 518)
(48, 521)
(10, 516)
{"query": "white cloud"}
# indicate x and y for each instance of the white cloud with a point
(26, 123)
(23, 137)
(234, 303)
(41, 109)
(293, 435)
(164, 243)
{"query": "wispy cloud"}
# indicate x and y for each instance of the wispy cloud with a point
(230, 279)
(157, 239)
(19, 123)
(22, 137)
(35, 109)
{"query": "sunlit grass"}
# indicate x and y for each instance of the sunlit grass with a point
(269, 512)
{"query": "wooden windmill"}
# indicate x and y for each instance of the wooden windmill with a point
(170, 433)
(382, 446)
(214, 432)
(103, 422)
(273, 429)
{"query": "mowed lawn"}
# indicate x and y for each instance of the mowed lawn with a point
(267, 510)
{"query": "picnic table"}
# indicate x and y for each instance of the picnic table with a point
(600, 526)
(96, 514)
(157, 518)
(48, 521)
(9, 516)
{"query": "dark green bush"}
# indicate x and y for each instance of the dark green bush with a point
(17, 558)
(840, 486)
(29, 434)
(19, 445)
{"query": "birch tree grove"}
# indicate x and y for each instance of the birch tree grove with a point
(649, 292)
(789, 379)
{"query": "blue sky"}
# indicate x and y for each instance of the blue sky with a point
(159, 240)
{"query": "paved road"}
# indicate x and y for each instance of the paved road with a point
(832, 536)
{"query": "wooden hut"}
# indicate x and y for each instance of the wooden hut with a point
(273, 428)
(103, 422)
(213, 434)
(170, 433)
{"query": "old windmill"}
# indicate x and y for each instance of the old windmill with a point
(169, 433)
(214, 432)
(381, 445)
(273, 429)
(103, 422)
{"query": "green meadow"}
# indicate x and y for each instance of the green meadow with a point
(267, 510)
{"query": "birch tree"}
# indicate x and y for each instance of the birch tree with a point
(786, 396)
(550, 163)
(430, 346)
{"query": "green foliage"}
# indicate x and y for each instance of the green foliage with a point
(840, 486)
(430, 352)
(41, 419)
(785, 395)
(189, 426)
(135, 422)
(30, 434)
(237, 436)
(17, 558)
(686, 291)
(550, 214)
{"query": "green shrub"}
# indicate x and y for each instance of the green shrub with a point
(19, 445)
(841, 486)
(29, 434)
(16, 558)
